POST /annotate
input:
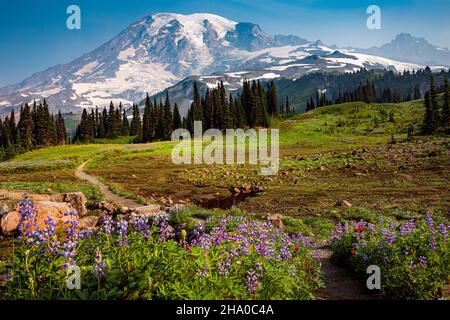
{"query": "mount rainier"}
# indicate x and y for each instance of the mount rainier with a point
(160, 50)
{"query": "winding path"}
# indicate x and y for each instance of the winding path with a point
(109, 195)
(340, 283)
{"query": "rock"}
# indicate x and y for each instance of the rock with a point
(148, 210)
(177, 207)
(10, 222)
(55, 209)
(277, 220)
(320, 168)
(246, 187)
(77, 199)
(107, 206)
(344, 204)
(3, 209)
(124, 210)
(89, 222)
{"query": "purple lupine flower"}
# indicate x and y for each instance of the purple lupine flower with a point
(68, 249)
(337, 234)
(48, 237)
(165, 231)
(411, 264)
(142, 226)
(316, 255)
(28, 226)
(423, 261)
(198, 231)
(122, 231)
(432, 242)
(443, 229)
(429, 220)
(84, 234)
(392, 225)
(388, 237)
(407, 228)
(205, 241)
(252, 281)
(202, 273)
(371, 227)
(107, 225)
(346, 228)
(99, 264)
(224, 267)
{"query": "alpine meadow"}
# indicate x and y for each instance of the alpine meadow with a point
(121, 178)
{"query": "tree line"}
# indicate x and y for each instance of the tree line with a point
(254, 107)
(35, 128)
(384, 88)
(437, 116)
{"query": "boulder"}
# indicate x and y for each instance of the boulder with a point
(77, 199)
(177, 207)
(55, 209)
(10, 222)
(107, 206)
(89, 222)
(3, 209)
(344, 204)
(277, 220)
(148, 210)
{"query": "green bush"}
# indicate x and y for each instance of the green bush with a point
(414, 256)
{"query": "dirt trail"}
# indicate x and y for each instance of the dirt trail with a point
(109, 195)
(340, 284)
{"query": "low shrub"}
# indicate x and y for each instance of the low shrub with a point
(413, 256)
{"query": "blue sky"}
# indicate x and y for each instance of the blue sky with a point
(33, 34)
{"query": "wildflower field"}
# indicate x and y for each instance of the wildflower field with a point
(414, 256)
(230, 257)
(221, 246)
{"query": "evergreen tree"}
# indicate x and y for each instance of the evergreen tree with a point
(272, 100)
(197, 106)
(167, 118)
(446, 106)
(136, 125)
(434, 104)
(176, 119)
(61, 133)
(25, 127)
(147, 134)
(428, 122)
(125, 124)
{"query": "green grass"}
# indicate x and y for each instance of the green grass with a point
(329, 154)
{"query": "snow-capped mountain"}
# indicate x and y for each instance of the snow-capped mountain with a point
(160, 50)
(405, 47)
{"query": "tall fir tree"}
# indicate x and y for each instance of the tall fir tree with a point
(176, 120)
(147, 134)
(428, 122)
(136, 125)
(197, 106)
(446, 106)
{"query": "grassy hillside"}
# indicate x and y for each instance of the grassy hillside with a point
(354, 151)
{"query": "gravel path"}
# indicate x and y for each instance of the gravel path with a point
(109, 195)
(340, 283)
